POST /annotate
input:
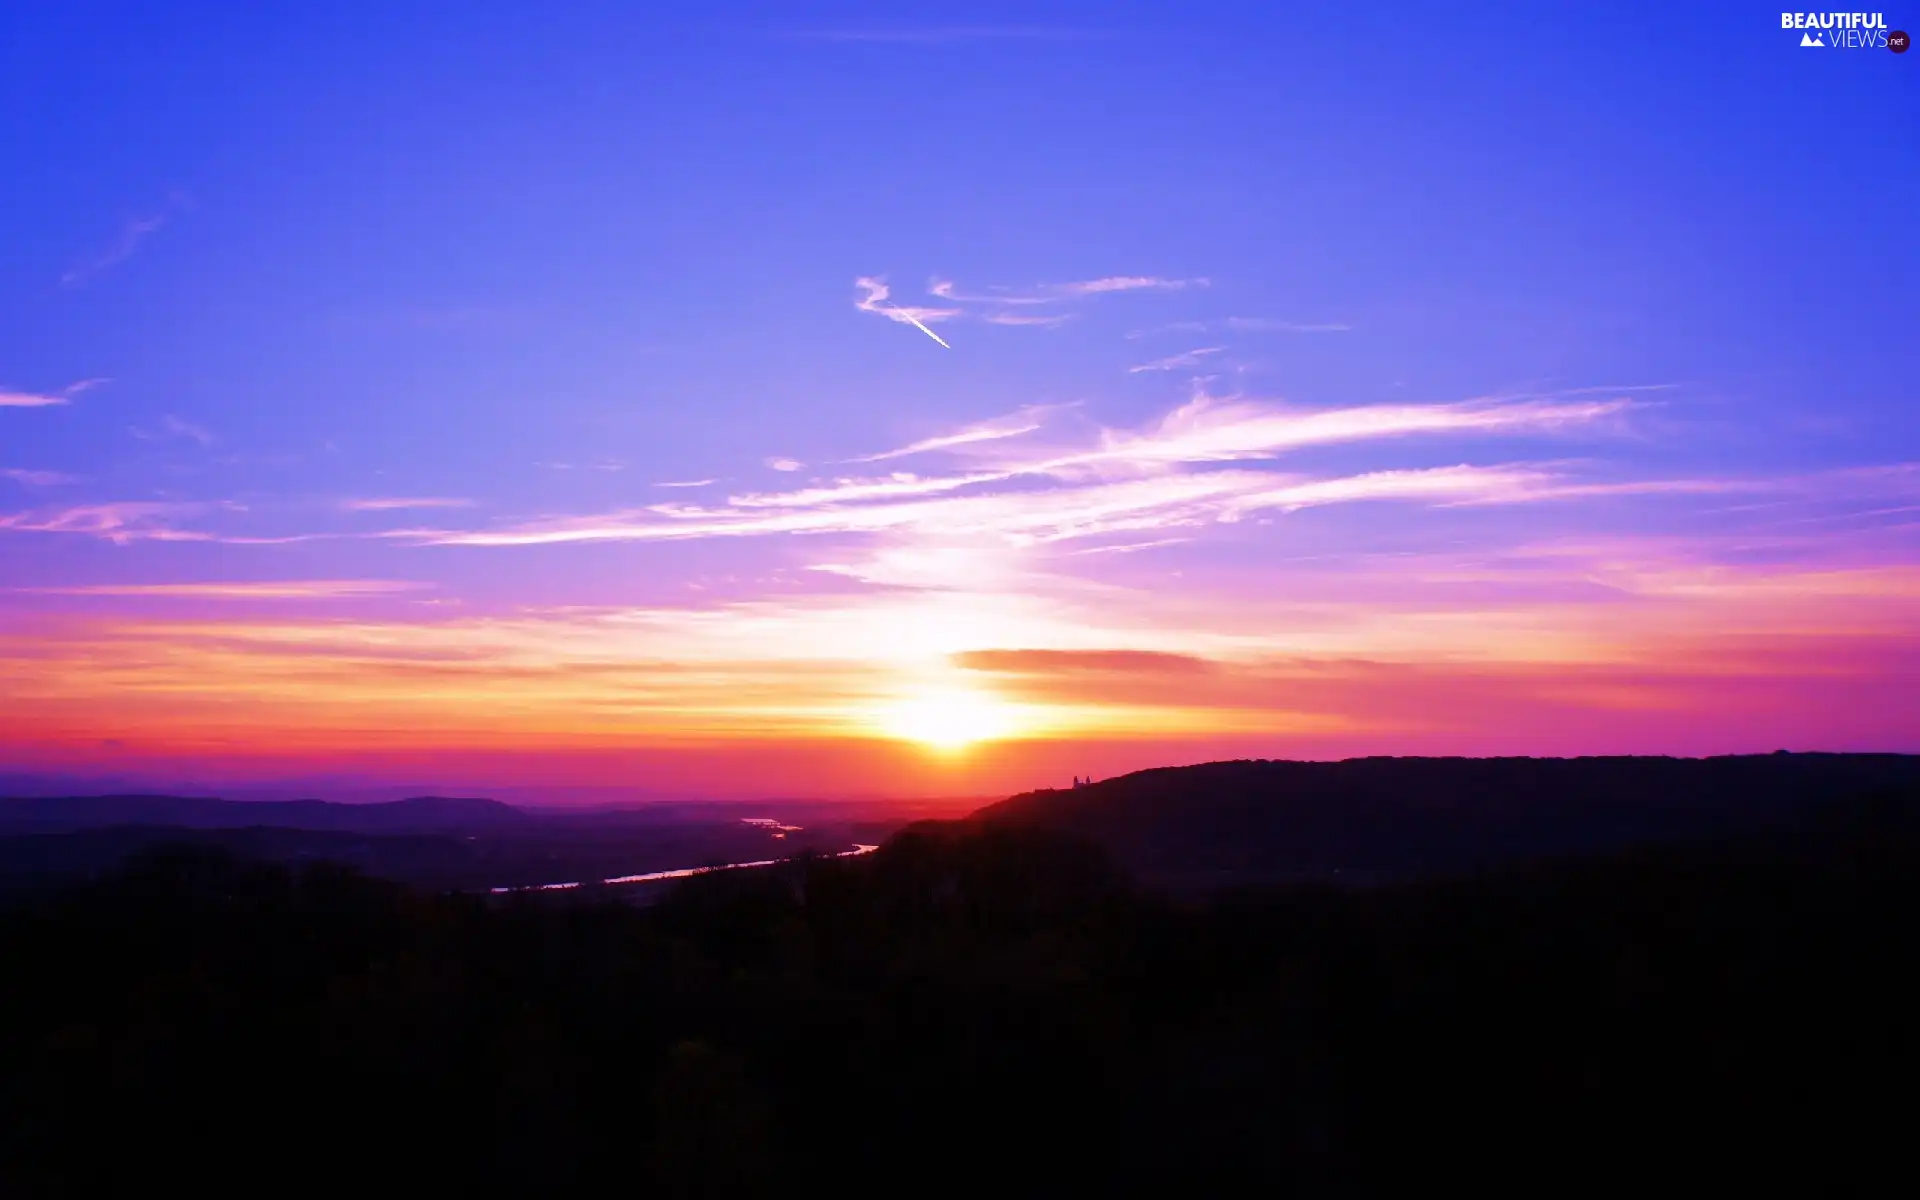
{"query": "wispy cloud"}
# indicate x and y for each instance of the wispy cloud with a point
(1209, 429)
(1011, 306)
(1054, 293)
(1177, 362)
(172, 426)
(685, 483)
(875, 301)
(779, 463)
(1155, 479)
(127, 521)
(385, 503)
(121, 522)
(1127, 283)
(37, 478)
(1131, 662)
(946, 289)
(186, 429)
(132, 233)
(305, 589)
(1027, 420)
(845, 491)
(1134, 547)
(1009, 563)
(21, 399)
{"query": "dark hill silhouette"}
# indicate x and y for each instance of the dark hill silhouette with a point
(979, 1007)
(431, 842)
(29, 861)
(1228, 824)
(421, 814)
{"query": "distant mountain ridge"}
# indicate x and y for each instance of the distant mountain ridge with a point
(1260, 821)
(420, 814)
(436, 842)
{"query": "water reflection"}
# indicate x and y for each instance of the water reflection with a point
(771, 825)
(682, 873)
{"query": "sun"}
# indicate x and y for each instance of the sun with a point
(948, 719)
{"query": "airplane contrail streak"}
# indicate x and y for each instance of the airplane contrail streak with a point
(923, 329)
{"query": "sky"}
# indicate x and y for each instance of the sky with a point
(908, 399)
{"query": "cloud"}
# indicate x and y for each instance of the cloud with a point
(307, 589)
(1134, 547)
(685, 483)
(1001, 305)
(1729, 668)
(1127, 283)
(186, 429)
(843, 491)
(1208, 429)
(12, 399)
(1463, 484)
(785, 464)
(1024, 421)
(385, 503)
(1054, 293)
(1176, 362)
(131, 235)
(1018, 528)
(875, 301)
(29, 400)
(37, 478)
(173, 426)
(122, 522)
(968, 573)
(1641, 684)
(1131, 481)
(1034, 517)
(946, 289)
(1102, 662)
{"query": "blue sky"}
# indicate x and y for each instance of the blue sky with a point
(539, 263)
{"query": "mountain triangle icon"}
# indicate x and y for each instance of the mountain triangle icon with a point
(1808, 39)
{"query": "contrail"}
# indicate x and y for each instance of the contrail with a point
(875, 301)
(915, 321)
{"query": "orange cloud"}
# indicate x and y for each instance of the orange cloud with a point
(1083, 662)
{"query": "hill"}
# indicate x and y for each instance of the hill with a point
(977, 1008)
(430, 841)
(1229, 824)
(38, 860)
(420, 814)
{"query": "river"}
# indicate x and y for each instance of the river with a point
(681, 873)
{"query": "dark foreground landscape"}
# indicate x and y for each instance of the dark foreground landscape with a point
(1310, 979)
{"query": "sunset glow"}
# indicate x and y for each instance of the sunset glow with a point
(948, 720)
(617, 442)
